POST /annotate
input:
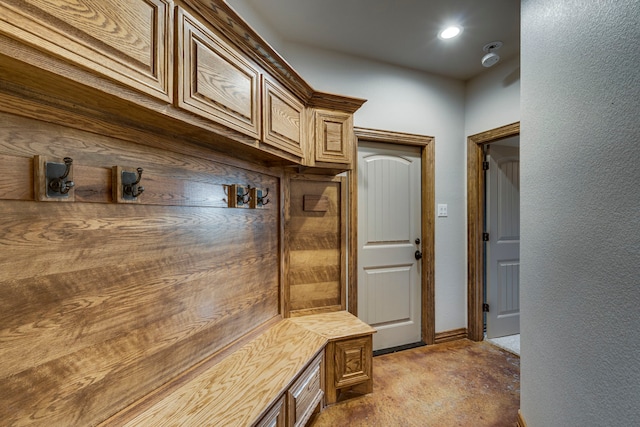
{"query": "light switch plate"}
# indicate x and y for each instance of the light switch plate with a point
(442, 210)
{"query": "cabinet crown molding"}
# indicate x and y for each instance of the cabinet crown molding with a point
(222, 16)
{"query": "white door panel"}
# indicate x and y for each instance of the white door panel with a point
(389, 210)
(503, 249)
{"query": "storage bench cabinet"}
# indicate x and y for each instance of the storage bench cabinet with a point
(279, 378)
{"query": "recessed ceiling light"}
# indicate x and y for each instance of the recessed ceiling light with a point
(450, 32)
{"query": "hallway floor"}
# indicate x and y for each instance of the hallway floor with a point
(459, 383)
(510, 342)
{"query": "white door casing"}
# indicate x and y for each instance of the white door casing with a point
(503, 249)
(389, 222)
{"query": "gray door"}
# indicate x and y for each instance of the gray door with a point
(503, 249)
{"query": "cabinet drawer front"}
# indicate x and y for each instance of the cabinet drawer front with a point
(125, 40)
(334, 135)
(283, 119)
(306, 393)
(216, 82)
(275, 417)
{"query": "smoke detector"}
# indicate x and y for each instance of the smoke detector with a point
(491, 58)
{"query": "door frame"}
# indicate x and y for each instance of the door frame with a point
(475, 223)
(427, 153)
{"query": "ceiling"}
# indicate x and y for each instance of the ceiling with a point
(400, 32)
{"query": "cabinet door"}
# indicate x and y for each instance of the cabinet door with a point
(216, 82)
(334, 136)
(283, 120)
(352, 361)
(125, 40)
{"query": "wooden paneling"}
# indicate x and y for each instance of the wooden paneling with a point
(101, 302)
(283, 122)
(128, 41)
(215, 81)
(316, 245)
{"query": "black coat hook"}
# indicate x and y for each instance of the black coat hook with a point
(243, 198)
(60, 185)
(133, 189)
(262, 199)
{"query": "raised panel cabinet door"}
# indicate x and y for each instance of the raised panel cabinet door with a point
(125, 40)
(283, 120)
(334, 136)
(353, 361)
(216, 81)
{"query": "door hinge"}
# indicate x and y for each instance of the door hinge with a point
(485, 166)
(485, 307)
(485, 237)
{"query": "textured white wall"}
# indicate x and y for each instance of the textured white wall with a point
(580, 200)
(493, 98)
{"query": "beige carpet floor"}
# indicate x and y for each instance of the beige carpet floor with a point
(460, 383)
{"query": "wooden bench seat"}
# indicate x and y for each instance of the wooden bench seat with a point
(243, 387)
(348, 352)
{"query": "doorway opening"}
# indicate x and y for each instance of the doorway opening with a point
(426, 153)
(476, 196)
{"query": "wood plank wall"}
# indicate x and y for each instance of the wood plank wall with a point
(100, 302)
(316, 227)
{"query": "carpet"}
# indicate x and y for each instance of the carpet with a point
(459, 383)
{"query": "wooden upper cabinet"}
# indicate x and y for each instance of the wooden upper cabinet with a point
(215, 80)
(283, 119)
(125, 40)
(333, 136)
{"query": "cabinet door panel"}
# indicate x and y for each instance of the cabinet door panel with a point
(334, 134)
(283, 119)
(216, 82)
(125, 40)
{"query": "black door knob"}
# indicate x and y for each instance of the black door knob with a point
(418, 255)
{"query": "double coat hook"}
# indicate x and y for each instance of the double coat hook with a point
(133, 189)
(60, 184)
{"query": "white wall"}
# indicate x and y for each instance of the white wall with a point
(580, 198)
(493, 98)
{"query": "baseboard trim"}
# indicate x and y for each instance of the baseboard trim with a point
(452, 335)
(399, 348)
(521, 422)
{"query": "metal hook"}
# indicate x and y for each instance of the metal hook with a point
(262, 199)
(59, 185)
(133, 189)
(243, 198)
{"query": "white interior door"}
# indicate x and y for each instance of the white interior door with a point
(503, 249)
(389, 219)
